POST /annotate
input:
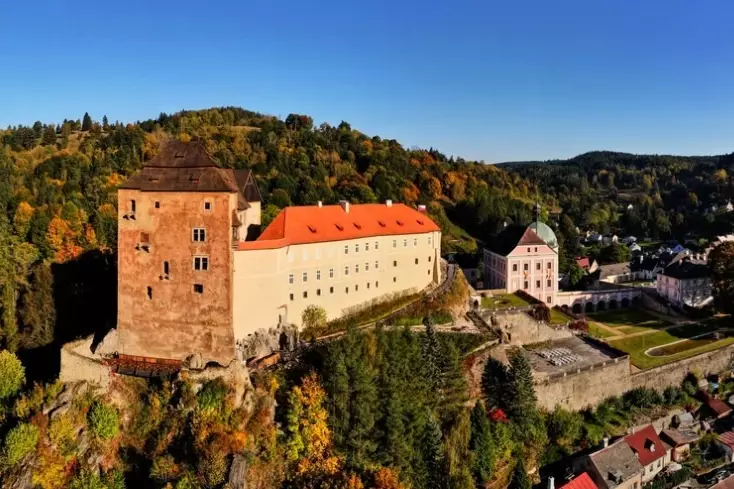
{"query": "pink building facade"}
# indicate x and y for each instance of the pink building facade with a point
(524, 258)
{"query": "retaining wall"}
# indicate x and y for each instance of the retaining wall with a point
(519, 328)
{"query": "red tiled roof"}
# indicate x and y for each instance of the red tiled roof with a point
(583, 262)
(646, 444)
(314, 224)
(727, 483)
(581, 482)
(727, 438)
(717, 405)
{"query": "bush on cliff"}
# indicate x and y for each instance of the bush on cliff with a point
(20, 442)
(103, 420)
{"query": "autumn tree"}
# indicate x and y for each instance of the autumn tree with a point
(313, 321)
(721, 261)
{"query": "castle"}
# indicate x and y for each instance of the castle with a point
(196, 276)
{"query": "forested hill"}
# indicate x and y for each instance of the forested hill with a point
(646, 195)
(58, 192)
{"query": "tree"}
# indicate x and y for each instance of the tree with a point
(495, 383)
(38, 312)
(432, 355)
(105, 123)
(481, 446)
(313, 321)
(86, 122)
(575, 274)
(721, 261)
(520, 479)
(436, 470)
(522, 400)
(49, 135)
(12, 375)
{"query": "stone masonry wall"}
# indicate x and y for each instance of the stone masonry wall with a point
(576, 391)
(521, 329)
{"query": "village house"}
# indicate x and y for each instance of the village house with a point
(685, 282)
(725, 441)
(196, 276)
(614, 466)
(582, 481)
(680, 440)
(650, 450)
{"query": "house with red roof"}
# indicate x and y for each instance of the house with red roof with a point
(716, 407)
(582, 481)
(652, 453)
(726, 442)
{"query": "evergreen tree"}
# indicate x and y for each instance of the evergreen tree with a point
(522, 400)
(49, 135)
(86, 122)
(520, 478)
(37, 129)
(453, 393)
(481, 446)
(105, 123)
(433, 455)
(432, 356)
(38, 312)
(495, 384)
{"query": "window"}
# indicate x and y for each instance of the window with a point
(549, 299)
(429, 241)
(305, 294)
(395, 243)
(549, 265)
(305, 276)
(331, 290)
(356, 268)
(429, 272)
(346, 270)
(318, 274)
(394, 279)
(536, 249)
(144, 237)
(367, 246)
(346, 290)
(290, 278)
(356, 288)
(157, 205)
(356, 248)
(525, 285)
(367, 266)
(318, 292)
(291, 296)
(405, 243)
(207, 206)
(526, 267)
(537, 284)
(548, 283)
(537, 266)
(201, 263)
(149, 291)
(377, 245)
(377, 285)
(415, 241)
(331, 273)
(528, 249)
(346, 249)
(394, 263)
(377, 265)
(368, 285)
(514, 267)
(132, 206)
(199, 234)
(429, 259)
(198, 288)
(166, 269)
(416, 261)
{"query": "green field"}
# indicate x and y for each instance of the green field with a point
(557, 317)
(503, 301)
(597, 332)
(636, 346)
(625, 322)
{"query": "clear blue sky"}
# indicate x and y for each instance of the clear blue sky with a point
(493, 80)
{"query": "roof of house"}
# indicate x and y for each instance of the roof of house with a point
(583, 262)
(646, 444)
(318, 224)
(614, 269)
(727, 483)
(188, 167)
(727, 438)
(582, 481)
(618, 458)
(719, 407)
(686, 268)
(679, 437)
(513, 236)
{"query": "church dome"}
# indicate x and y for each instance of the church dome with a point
(545, 233)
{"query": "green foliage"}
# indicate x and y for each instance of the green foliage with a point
(313, 322)
(721, 261)
(521, 393)
(642, 397)
(482, 446)
(212, 395)
(91, 479)
(520, 478)
(12, 374)
(212, 469)
(19, 442)
(564, 427)
(103, 420)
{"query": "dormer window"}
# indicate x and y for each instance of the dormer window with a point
(207, 204)
(382, 223)
(339, 227)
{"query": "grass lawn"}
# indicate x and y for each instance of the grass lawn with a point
(557, 317)
(597, 332)
(637, 345)
(628, 321)
(503, 301)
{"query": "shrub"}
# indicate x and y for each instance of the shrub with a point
(12, 374)
(313, 322)
(212, 395)
(674, 396)
(20, 442)
(27, 404)
(103, 420)
(164, 468)
(213, 468)
(642, 397)
(61, 433)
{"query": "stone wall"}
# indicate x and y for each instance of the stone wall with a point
(673, 373)
(518, 328)
(79, 364)
(590, 386)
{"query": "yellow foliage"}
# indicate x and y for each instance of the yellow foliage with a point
(50, 473)
(22, 218)
(386, 478)
(61, 239)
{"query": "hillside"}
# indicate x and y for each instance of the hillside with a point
(659, 196)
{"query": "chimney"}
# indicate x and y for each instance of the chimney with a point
(320, 204)
(345, 205)
(551, 483)
(422, 208)
(388, 203)
(606, 441)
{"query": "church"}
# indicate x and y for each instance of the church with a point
(524, 258)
